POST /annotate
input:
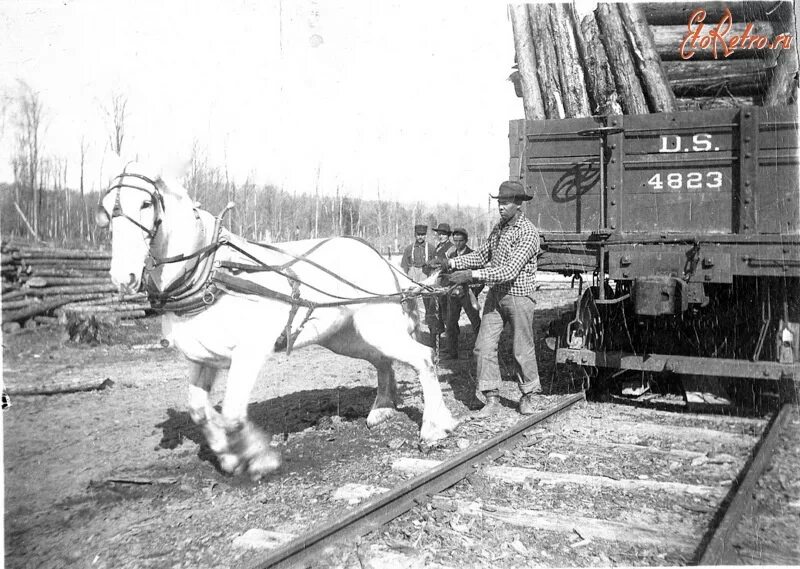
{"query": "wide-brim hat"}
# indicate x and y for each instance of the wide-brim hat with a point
(443, 228)
(512, 190)
(461, 231)
(420, 229)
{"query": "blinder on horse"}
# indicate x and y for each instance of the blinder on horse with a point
(102, 217)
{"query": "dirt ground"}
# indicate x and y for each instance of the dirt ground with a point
(121, 477)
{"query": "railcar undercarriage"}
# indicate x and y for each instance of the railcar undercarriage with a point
(746, 335)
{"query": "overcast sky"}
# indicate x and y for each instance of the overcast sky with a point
(409, 96)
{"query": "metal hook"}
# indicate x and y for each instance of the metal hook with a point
(228, 207)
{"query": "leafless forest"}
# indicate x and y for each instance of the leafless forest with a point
(40, 205)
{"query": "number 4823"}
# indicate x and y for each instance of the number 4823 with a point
(691, 181)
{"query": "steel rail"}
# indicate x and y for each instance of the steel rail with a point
(418, 490)
(716, 547)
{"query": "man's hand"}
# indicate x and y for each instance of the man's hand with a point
(434, 263)
(460, 277)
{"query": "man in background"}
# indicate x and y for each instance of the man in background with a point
(443, 247)
(443, 243)
(462, 297)
(416, 263)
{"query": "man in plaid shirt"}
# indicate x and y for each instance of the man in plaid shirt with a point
(507, 263)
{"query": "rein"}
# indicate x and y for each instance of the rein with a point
(213, 277)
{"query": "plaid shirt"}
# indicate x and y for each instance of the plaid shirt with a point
(507, 261)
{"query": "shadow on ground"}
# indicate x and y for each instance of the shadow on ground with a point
(281, 416)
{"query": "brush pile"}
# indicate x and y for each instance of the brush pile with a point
(634, 58)
(43, 285)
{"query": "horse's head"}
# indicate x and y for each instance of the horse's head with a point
(132, 208)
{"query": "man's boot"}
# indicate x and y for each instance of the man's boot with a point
(527, 405)
(492, 406)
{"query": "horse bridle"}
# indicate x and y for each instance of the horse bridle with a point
(103, 218)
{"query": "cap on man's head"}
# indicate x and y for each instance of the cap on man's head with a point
(461, 231)
(443, 228)
(512, 190)
(420, 230)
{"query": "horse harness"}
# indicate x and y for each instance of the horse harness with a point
(209, 278)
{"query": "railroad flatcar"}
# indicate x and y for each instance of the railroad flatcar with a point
(688, 223)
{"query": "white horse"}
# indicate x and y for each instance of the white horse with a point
(234, 323)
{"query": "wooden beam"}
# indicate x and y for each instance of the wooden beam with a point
(51, 253)
(547, 61)
(783, 87)
(677, 13)
(680, 433)
(526, 62)
(60, 386)
(668, 41)
(654, 79)
(616, 43)
(647, 532)
(42, 307)
(602, 91)
(519, 475)
(573, 83)
(738, 77)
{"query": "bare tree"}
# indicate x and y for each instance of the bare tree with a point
(30, 130)
(6, 104)
(195, 178)
(316, 202)
(84, 221)
(117, 113)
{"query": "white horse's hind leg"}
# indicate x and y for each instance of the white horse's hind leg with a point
(347, 342)
(384, 328)
(248, 447)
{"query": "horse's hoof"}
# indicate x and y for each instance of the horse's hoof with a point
(431, 432)
(228, 462)
(380, 415)
(264, 464)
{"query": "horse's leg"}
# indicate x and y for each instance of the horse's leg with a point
(247, 447)
(347, 342)
(201, 380)
(385, 329)
(385, 405)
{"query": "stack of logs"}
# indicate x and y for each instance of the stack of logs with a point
(625, 58)
(41, 285)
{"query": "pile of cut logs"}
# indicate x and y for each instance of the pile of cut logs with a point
(42, 284)
(625, 58)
